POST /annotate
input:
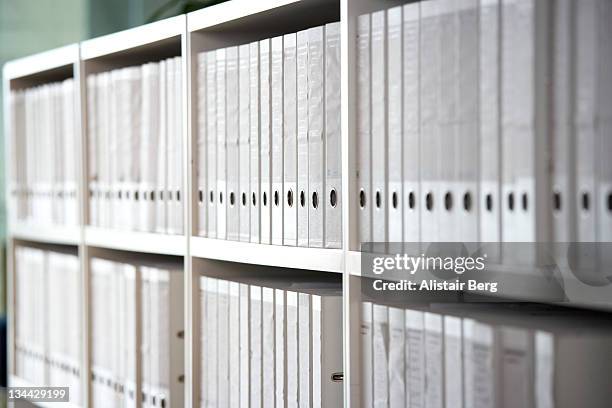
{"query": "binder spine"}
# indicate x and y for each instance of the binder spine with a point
(254, 144)
(232, 148)
(202, 145)
(265, 141)
(605, 129)
(302, 191)
(211, 143)
(277, 140)
(289, 198)
(244, 155)
(316, 139)
(333, 156)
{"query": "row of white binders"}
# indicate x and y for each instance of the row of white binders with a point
(136, 308)
(43, 147)
(483, 356)
(269, 162)
(485, 120)
(264, 346)
(48, 319)
(135, 147)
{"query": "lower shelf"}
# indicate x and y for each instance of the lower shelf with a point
(136, 241)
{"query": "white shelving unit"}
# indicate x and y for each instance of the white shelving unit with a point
(230, 23)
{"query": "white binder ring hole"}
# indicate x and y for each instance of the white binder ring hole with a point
(265, 199)
(315, 200)
(557, 201)
(429, 201)
(489, 202)
(276, 198)
(448, 201)
(362, 199)
(302, 199)
(609, 202)
(586, 201)
(333, 198)
(290, 198)
(211, 197)
(525, 201)
(200, 196)
(244, 199)
(221, 197)
(411, 200)
(378, 199)
(254, 199)
(394, 200)
(467, 201)
(511, 201)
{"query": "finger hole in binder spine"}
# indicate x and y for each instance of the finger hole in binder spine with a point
(489, 202)
(511, 201)
(585, 201)
(232, 198)
(448, 201)
(411, 200)
(429, 201)
(378, 199)
(265, 199)
(276, 199)
(290, 198)
(200, 196)
(524, 201)
(244, 199)
(394, 200)
(557, 201)
(467, 201)
(315, 200)
(254, 199)
(333, 198)
(362, 199)
(609, 202)
(302, 199)
(211, 196)
(221, 197)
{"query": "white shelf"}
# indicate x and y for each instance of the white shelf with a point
(44, 61)
(15, 381)
(146, 242)
(314, 259)
(61, 235)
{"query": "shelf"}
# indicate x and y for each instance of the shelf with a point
(15, 381)
(146, 242)
(47, 65)
(314, 259)
(61, 235)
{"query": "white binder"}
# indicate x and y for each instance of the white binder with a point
(479, 373)
(302, 194)
(223, 339)
(221, 146)
(415, 358)
(544, 350)
(212, 350)
(490, 199)
(468, 205)
(516, 367)
(379, 127)
(430, 51)
(276, 200)
(364, 130)
(204, 342)
(232, 123)
(178, 139)
(380, 355)
(244, 155)
(160, 196)
(265, 116)
(280, 347)
(434, 360)
(254, 145)
(245, 345)
(367, 372)
(202, 144)
(292, 351)
(411, 123)
(211, 142)
(256, 347)
(268, 347)
(397, 358)
(289, 198)
(524, 115)
(453, 362)
(395, 162)
(234, 345)
(604, 205)
(171, 148)
(326, 350)
(316, 140)
(333, 142)
(305, 349)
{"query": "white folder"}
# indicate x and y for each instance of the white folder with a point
(289, 198)
(395, 162)
(254, 145)
(304, 349)
(604, 205)
(276, 201)
(316, 139)
(411, 126)
(244, 154)
(434, 360)
(223, 338)
(160, 196)
(234, 345)
(367, 372)
(490, 149)
(221, 146)
(280, 347)
(171, 147)
(245, 345)
(268, 349)
(516, 367)
(453, 362)
(202, 144)
(302, 194)
(292, 351)
(212, 350)
(379, 127)
(364, 130)
(429, 115)
(478, 364)
(133, 173)
(256, 347)
(397, 358)
(204, 341)
(544, 370)
(179, 212)
(326, 350)
(265, 116)
(333, 142)
(232, 121)
(211, 142)
(380, 355)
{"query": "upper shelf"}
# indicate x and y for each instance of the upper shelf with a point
(44, 67)
(313, 259)
(52, 234)
(151, 243)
